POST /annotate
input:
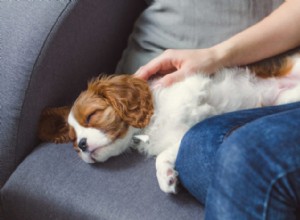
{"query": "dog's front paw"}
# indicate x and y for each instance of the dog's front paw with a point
(167, 179)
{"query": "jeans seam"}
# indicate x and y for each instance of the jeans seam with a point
(230, 131)
(268, 194)
(276, 108)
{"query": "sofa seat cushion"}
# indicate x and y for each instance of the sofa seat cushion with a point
(54, 183)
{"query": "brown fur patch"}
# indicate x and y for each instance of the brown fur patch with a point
(91, 111)
(111, 104)
(53, 125)
(272, 67)
(276, 66)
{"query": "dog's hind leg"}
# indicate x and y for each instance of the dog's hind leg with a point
(165, 170)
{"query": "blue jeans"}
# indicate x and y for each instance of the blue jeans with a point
(245, 164)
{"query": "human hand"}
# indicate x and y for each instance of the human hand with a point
(175, 65)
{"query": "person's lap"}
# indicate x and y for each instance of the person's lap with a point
(244, 162)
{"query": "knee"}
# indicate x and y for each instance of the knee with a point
(236, 156)
(246, 167)
(193, 145)
(204, 136)
(233, 175)
(244, 164)
(200, 141)
(261, 148)
(195, 158)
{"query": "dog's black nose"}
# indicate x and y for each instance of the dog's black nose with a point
(82, 144)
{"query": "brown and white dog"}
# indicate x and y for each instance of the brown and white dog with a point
(113, 110)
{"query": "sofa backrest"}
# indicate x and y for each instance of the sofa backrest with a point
(49, 49)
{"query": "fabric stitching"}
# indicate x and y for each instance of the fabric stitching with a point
(230, 131)
(268, 194)
(276, 110)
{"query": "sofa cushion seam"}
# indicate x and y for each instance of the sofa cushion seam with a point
(30, 78)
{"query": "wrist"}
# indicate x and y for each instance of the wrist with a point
(224, 55)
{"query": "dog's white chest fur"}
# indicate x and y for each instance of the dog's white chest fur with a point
(198, 97)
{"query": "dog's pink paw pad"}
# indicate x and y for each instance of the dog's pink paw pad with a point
(168, 181)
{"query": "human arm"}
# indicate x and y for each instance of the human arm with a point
(275, 34)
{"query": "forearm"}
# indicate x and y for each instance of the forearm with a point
(277, 33)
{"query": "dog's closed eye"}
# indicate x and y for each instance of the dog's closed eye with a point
(88, 118)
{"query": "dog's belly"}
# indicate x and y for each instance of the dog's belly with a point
(198, 97)
(289, 85)
(179, 107)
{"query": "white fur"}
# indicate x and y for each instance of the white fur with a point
(179, 107)
(100, 147)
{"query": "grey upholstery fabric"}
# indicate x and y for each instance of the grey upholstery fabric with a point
(24, 27)
(184, 24)
(54, 183)
(48, 51)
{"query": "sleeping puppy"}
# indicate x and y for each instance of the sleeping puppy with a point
(115, 110)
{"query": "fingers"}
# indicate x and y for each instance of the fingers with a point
(170, 79)
(162, 64)
(173, 64)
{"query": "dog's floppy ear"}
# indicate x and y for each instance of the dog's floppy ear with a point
(130, 97)
(53, 125)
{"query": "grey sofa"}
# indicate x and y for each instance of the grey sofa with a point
(48, 51)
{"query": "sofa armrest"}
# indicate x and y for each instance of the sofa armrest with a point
(51, 49)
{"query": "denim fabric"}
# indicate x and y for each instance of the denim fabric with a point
(245, 164)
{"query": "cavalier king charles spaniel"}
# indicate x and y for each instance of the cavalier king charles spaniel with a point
(119, 112)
